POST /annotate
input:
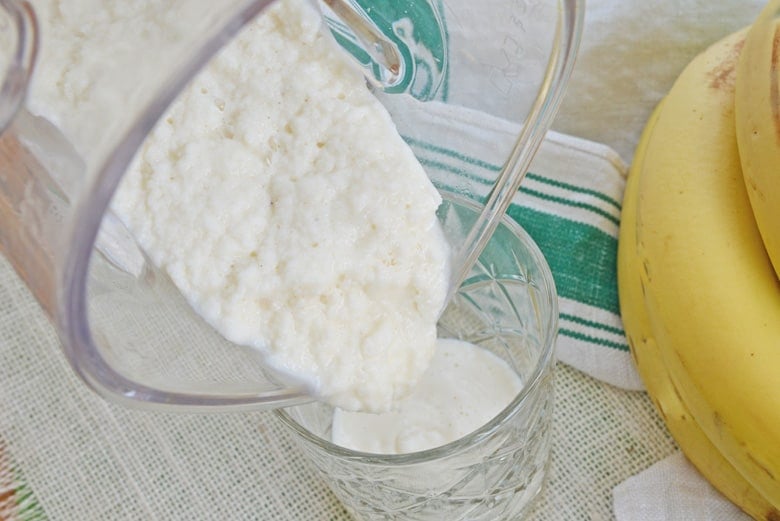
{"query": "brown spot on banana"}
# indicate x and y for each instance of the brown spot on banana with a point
(774, 94)
(723, 76)
(761, 466)
(717, 420)
(773, 515)
(753, 186)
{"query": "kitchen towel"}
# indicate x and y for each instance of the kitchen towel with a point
(569, 202)
(669, 490)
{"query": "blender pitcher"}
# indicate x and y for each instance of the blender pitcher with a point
(123, 326)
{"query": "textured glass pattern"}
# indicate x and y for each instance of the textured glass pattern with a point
(508, 306)
(495, 478)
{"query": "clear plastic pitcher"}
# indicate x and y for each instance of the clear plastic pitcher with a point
(125, 329)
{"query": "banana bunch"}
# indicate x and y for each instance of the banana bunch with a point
(699, 294)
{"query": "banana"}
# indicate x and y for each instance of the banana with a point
(689, 436)
(709, 290)
(757, 104)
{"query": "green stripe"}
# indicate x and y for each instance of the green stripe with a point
(495, 168)
(574, 204)
(593, 340)
(28, 507)
(454, 170)
(574, 188)
(451, 153)
(534, 193)
(592, 323)
(582, 258)
(531, 175)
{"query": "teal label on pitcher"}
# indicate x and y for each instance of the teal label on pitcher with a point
(418, 30)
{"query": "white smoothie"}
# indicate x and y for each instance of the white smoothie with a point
(464, 388)
(280, 199)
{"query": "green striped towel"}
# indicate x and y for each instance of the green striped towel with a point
(569, 203)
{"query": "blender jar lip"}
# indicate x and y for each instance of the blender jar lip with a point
(77, 340)
(543, 367)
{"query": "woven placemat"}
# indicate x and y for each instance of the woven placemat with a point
(69, 455)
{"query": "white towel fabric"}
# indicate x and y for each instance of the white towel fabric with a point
(672, 489)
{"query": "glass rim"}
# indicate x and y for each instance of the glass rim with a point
(544, 364)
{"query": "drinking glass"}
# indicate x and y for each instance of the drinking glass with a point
(507, 305)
